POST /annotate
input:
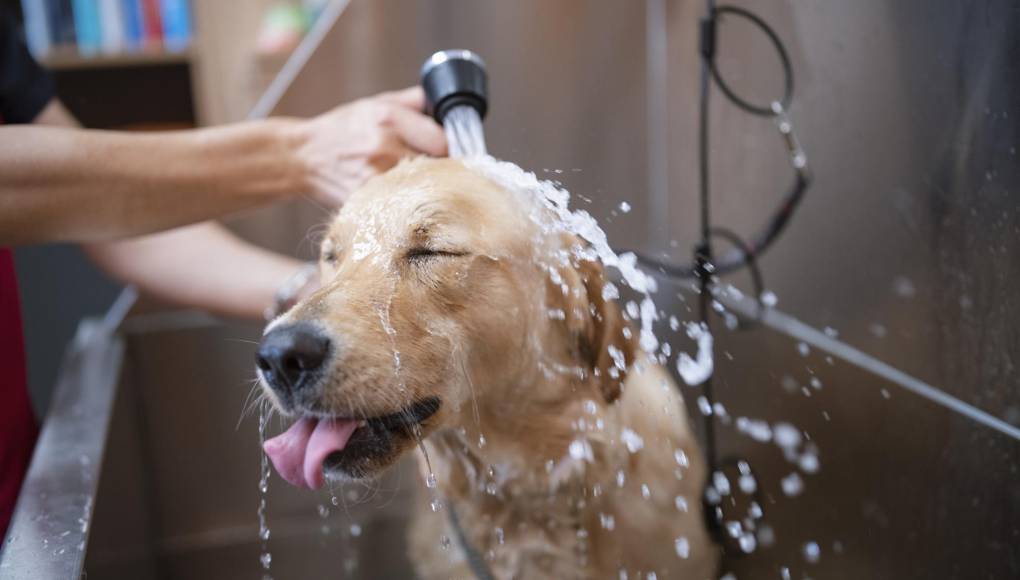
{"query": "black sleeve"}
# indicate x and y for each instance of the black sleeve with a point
(25, 88)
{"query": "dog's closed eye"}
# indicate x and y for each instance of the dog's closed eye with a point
(423, 254)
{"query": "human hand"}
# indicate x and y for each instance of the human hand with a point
(346, 146)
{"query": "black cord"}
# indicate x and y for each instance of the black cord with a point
(802, 179)
(748, 256)
(784, 59)
(744, 253)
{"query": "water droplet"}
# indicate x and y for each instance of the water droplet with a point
(808, 463)
(430, 481)
(755, 511)
(803, 349)
(645, 492)
(681, 458)
(681, 503)
(632, 440)
(444, 541)
(786, 435)
(436, 504)
(792, 485)
(266, 558)
(748, 543)
(580, 449)
(683, 547)
(734, 529)
(704, 406)
(755, 429)
(812, 553)
(500, 538)
(624, 207)
(721, 483)
(355, 530)
(904, 287)
(608, 521)
(747, 484)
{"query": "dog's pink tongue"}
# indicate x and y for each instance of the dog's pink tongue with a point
(299, 452)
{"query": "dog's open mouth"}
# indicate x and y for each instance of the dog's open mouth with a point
(313, 445)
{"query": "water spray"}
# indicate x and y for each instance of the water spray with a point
(457, 96)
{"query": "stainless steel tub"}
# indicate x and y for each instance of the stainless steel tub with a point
(906, 246)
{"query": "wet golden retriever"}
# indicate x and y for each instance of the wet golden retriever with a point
(449, 314)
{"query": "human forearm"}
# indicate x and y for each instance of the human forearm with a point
(202, 266)
(59, 184)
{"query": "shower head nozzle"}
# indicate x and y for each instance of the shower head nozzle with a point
(452, 78)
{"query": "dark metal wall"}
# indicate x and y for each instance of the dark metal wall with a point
(907, 247)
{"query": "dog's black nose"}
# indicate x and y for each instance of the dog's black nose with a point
(289, 354)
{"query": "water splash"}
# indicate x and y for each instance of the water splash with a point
(698, 370)
(553, 215)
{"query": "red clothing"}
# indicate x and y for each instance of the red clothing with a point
(24, 90)
(18, 428)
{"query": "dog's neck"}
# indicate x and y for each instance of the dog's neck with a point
(526, 445)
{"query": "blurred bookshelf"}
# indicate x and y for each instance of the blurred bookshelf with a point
(125, 63)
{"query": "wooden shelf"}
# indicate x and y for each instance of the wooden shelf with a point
(68, 58)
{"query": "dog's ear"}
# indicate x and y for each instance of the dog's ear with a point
(605, 343)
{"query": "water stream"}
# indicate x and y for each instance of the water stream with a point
(265, 558)
(464, 132)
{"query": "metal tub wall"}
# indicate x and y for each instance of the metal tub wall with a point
(906, 246)
(179, 491)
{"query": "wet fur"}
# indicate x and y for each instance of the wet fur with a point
(471, 326)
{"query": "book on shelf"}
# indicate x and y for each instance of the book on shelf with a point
(152, 23)
(176, 15)
(111, 26)
(94, 27)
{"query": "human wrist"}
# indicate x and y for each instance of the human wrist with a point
(293, 136)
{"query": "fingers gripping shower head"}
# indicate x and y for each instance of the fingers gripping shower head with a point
(452, 78)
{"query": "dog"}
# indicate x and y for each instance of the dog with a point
(451, 316)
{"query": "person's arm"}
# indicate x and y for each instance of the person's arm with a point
(203, 266)
(65, 184)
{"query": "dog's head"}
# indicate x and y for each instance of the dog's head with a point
(441, 304)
